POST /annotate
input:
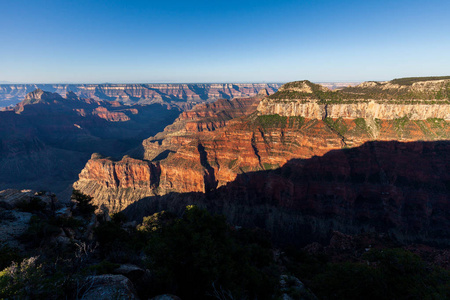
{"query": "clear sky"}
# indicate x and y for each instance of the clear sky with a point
(222, 41)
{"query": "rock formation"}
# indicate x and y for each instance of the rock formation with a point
(208, 146)
(183, 95)
(46, 139)
(367, 110)
(14, 221)
(395, 189)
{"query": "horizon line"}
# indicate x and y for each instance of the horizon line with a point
(198, 82)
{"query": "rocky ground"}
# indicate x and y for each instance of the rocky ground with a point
(53, 251)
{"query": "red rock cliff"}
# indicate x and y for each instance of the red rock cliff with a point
(199, 160)
(208, 146)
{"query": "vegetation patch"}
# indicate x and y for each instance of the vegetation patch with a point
(272, 121)
(232, 163)
(268, 166)
(361, 126)
(357, 94)
(337, 125)
(436, 122)
(296, 121)
(426, 131)
(379, 274)
(400, 123)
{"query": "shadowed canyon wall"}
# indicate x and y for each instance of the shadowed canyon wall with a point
(392, 188)
(46, 139)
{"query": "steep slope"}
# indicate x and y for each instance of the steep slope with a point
(200, 153)
(203, 117)
(171, 174)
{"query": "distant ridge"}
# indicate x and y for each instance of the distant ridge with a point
(411, 80)
(401, 90)
(181, 95)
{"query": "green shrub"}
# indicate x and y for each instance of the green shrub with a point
(156, 221)
(21, 279)
(29, 280)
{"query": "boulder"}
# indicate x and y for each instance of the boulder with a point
(10, 198)
(131, 271)
(105, 287)
(64, 212)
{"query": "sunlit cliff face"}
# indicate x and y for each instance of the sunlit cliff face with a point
(208, 146)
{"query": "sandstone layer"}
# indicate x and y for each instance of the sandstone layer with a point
(213, 145)
(194, 157)
(367, 110)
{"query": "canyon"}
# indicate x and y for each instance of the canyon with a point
(238, 145)
(182, 95)
(46, 139)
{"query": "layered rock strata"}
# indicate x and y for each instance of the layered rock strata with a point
(176, 94)
(214, 144)
(46, 139)
(197, 158)
(399, 190)
(313, 109)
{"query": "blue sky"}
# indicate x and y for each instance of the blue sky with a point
(222, 41)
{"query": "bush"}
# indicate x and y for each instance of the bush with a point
(119, 218)
(39, 230)
(119, 245)
(29, 280)
(21, 279)
(84, 205)
(156, 221)
(35, 204)
(385, 274)
(199, 254)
